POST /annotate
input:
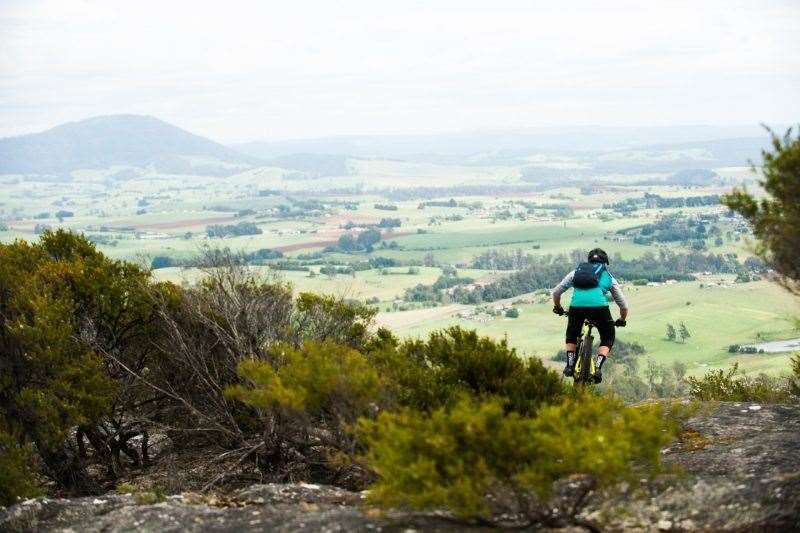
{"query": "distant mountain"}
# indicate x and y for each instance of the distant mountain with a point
(503, 144)
(124, 140)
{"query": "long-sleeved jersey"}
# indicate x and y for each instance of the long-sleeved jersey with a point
(594, 297)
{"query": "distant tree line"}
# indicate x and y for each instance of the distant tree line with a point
(450, 203)
(651, 201)
(257, 257)
(414, 193)
(233, 230)
(545, 272)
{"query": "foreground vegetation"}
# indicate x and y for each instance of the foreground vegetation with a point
(100, 358)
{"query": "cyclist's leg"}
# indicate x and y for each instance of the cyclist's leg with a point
(574, 326)
(605, 326)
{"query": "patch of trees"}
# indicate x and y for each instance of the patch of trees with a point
(334, 270)
(261, 255)
(162, 261)
(386, 207)
(389, 223)
(651, 201)
(671, 228)
(681, 332)
(502, 260)
(257, 257)
(736, 348)
(360, 242)
(233, 230)
(450, 203)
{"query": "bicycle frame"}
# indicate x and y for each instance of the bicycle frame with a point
(584, 364)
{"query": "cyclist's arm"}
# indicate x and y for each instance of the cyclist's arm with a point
(562, 287)
(619, 298)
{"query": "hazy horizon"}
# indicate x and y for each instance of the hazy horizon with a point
(252, 72)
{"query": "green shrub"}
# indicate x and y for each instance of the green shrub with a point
(732, 386)
(795, 379)
(15, 477)
(430, 374)
(328, 318)
(308, 405)
(472, 457)
(63, 305)
(319, 379)
(150, 497)
(125, 488)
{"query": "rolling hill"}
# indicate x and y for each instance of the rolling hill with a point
(118, 140)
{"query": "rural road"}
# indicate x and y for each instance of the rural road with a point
(791, 345)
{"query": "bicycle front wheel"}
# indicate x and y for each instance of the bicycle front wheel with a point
(583, 374)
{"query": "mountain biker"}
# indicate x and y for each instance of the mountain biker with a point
(590, 283)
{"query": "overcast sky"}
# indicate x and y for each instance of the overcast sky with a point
(239, 70)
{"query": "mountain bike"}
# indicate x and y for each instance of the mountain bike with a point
(584, 356)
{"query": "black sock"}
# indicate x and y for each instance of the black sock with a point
(600, 360)
(570, 358)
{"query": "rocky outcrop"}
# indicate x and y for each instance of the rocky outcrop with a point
(270, 507)
(740, 466)
(740, 473)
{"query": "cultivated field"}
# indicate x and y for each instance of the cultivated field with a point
(481, 209)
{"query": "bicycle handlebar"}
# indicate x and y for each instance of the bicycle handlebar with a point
(565, 313)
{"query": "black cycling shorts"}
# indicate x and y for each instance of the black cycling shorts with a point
(600, 316)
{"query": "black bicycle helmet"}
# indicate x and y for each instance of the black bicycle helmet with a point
(598, 255)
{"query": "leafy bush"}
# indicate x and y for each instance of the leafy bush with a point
(731, 386)
(63, 306)
(478, 460)
(430, 374)
(321, 379)
(15, 478)
(308, 400)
